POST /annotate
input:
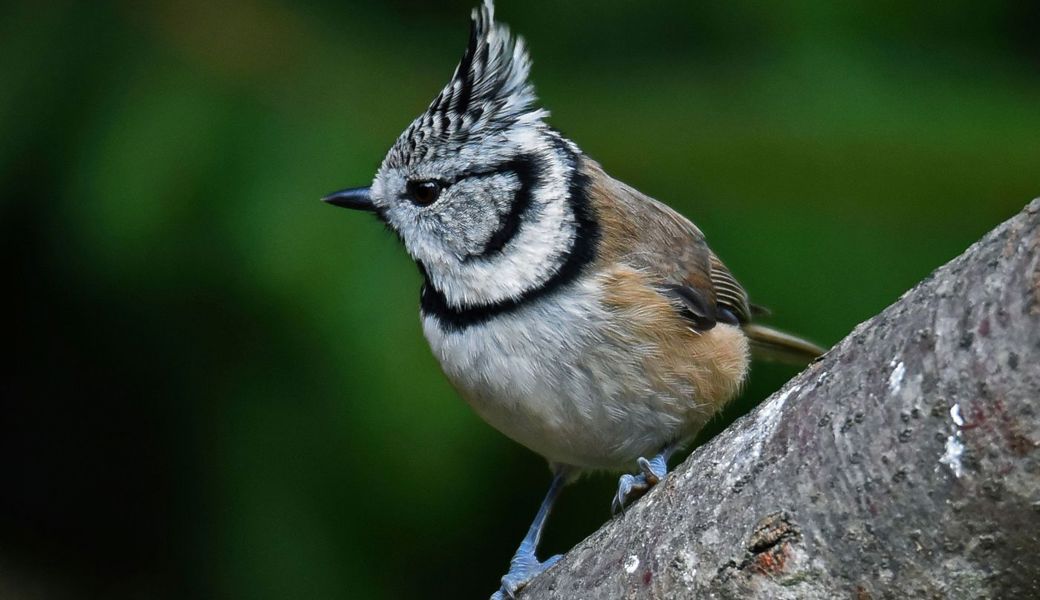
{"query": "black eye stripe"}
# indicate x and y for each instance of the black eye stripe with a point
(529, 173)
(517, 167)
(505, 168)
(502, 169)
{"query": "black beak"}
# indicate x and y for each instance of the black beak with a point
(356, 198)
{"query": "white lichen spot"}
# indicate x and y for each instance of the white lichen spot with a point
(954, 444)
(952, 457)
(771, 411)
(686, 562)
(745, 445)
(895, 379)
(631, 564)
(768, 418)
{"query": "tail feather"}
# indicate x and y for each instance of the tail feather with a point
(773, 345)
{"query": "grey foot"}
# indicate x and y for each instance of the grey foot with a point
(522, 569)
(632, 487)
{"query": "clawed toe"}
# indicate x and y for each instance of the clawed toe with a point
(649, 472)
(631, 487)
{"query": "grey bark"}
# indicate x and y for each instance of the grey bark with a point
(904, 463)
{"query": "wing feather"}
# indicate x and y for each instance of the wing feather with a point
(652, 237)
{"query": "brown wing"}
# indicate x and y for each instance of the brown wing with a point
(648, 235)
(673, 261)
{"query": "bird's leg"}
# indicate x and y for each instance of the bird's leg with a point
(525, 565)
(631, 487)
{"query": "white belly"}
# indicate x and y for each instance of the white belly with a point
(549, 376)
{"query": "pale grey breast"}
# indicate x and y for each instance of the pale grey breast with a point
(550, 376)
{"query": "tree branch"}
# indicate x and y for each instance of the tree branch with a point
(904, 463)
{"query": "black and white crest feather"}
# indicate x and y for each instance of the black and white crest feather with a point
(489, 92)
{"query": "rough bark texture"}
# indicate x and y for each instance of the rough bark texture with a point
(905, 463)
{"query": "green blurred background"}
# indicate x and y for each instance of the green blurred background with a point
(217, 386)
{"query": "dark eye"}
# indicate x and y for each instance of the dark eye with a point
(424, 193)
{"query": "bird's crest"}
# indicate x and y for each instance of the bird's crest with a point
(489, 92)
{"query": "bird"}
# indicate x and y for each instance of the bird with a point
(578, 316)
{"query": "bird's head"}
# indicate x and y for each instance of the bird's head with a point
(477, 186)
